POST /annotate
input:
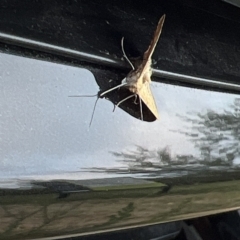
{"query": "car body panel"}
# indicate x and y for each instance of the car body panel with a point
(61, 177)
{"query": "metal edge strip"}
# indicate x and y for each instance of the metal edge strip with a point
(78, 55)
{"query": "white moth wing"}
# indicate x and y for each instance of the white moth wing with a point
(148, 54)
(146, 96)
(144, 80)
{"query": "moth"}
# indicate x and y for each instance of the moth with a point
(138, 79)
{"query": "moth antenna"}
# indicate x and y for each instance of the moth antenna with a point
(93, 112)
(140, 103)
(111, 89)
(83, 95)
(123, 101)
(124, 54)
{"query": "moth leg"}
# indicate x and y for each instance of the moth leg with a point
(123, 101)
(124, 54)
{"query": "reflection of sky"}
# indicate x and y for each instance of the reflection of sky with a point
(43, 131)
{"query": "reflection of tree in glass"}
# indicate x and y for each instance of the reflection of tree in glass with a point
(216, 135)
(136, 158)
(142, 158)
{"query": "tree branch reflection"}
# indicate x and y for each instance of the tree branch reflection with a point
(215, 136)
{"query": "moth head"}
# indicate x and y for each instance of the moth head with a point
(133, 88)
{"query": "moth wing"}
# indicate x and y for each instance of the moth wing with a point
(147, 61)
(148, 54)
(146, 96)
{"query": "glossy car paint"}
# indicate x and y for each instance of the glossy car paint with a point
(61, 177)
